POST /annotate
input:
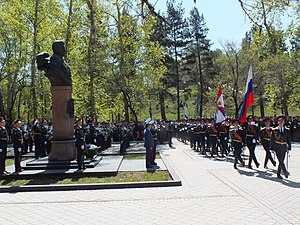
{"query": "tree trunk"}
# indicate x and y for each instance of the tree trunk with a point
(33, 55)
(262, 107)
(91, 64)
(68, 36)
(126, 110)
(162, 105)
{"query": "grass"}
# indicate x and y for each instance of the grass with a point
(11, 161)
(133, 156)
(120, 177)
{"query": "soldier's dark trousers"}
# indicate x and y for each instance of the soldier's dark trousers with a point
(80, 158)
(224, 146)
(148, 157)
(280, 153)
(251, 147)
(201, 144)
(153, 153)
(237, 154)
(2, 159)
(213, 144)
(37, 146)
(18, 155)
(266, 145)
(25, 146)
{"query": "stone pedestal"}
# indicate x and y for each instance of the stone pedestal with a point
(63, 141)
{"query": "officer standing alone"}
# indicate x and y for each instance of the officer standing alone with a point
(17, 138)
(80, 143)
(3, 145)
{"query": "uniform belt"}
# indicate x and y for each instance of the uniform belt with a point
(223, 132)
(237, 141)
(281, 143)
(3, 139)
(267, 139)
(154, 139)
(214, 135)
(20, 139)
(250, 135)
(201, 132)
(37, 133)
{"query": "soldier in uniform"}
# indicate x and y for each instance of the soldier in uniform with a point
(3, 145)
(149, 143)
(281, 143)
(92, 132)
(265, 137)
(155, 139)
(251, 140)
(37, 137)
(44, 137)
(17, 139)
(200, 134)
(80, 143)
(237, 136)
(224, 136)
(213, 137)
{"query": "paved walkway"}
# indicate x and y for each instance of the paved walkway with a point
(212, 193)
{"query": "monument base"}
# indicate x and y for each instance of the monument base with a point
(63, 150)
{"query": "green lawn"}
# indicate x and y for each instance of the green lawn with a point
(132, 156)
(120, 177)
(11, 161)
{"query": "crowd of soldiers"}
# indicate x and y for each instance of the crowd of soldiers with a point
(230, 136)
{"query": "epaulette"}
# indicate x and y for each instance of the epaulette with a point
(275, 128)
(287, 128)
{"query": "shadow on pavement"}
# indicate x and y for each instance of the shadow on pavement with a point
(268, 175)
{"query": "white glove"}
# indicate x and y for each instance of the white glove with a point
(19, 149)
(95, 140)
(82, 147)
(0, 150)
(45, 142)
(253, 141)
(225, 138)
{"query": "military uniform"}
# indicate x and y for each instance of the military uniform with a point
(213, 139)
(265, 137)
(44, 143)
(199, 136)
(3, 148)
(237, 141)
(281, 143)
(251, 139)
(80, 146)
(17, 138)
(155, 139)
(37, 137)
(224, 137)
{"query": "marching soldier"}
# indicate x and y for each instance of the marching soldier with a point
(251, 140)
(281, 144)
(17, 138)
(201, 135)
(224, 136)
(213, 138)
(80, 143)
(237, 136)
(265, 137)
(3, 145)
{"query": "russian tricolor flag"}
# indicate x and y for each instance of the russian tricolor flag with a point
(220, 115)
(248, 97)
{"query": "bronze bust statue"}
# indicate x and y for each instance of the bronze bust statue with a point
(55, 67)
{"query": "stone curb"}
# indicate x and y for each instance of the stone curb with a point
(68, 187)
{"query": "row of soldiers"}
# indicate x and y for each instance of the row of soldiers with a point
(226, 136)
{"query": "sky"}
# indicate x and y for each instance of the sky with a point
(224, 18)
